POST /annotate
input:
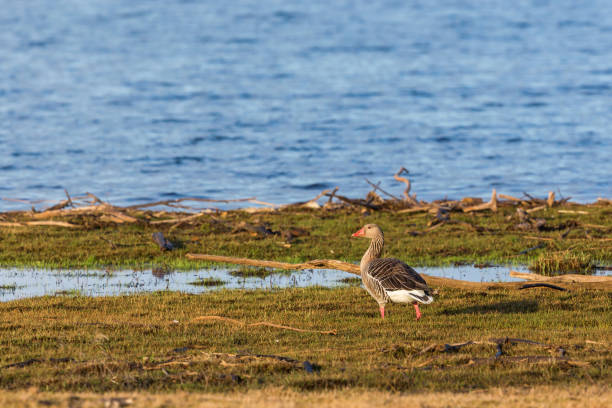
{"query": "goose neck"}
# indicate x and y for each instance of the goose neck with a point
(373, 252)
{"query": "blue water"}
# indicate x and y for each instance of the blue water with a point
(144, 100)
(18, 283)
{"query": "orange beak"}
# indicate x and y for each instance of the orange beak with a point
(360, 233)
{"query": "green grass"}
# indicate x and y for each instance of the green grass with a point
(351, 281)
(563, 262)
(492, 237)
(155, 343)
(256, 272)
(208, 282)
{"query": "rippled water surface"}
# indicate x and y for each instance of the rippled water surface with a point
(145, 100)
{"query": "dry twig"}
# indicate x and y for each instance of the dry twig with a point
(377, 187)
(541, 285)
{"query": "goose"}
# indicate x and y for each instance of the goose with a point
(389, 279)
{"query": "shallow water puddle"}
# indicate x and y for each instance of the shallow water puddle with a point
(16, 283)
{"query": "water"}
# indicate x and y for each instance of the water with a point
(145, 100)
(17, 283)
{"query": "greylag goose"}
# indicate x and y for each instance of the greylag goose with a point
(389, 279)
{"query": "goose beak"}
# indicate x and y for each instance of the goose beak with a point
(359, 233)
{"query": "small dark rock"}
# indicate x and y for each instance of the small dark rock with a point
(308, 367)
(311, 367)
(164, 244)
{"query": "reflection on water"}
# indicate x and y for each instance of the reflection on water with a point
(18, 283)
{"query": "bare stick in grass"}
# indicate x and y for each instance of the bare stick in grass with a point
(541, 285)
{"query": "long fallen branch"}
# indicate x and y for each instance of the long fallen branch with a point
(52, 223)
(180, 219)
(351, 201)
(197, 199)
(541, 285)
(277, 326)
(528, 360)
(111, 213)
(35, 223)
(315, 264)
(570, 277)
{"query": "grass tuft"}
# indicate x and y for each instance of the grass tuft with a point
(208, 282)
(563, 262)
(256, 272)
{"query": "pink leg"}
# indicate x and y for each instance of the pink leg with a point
(418, 312)
(382, 311)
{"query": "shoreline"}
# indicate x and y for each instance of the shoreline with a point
(546, 235)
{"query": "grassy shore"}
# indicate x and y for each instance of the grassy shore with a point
(161, 343)
(572, 238)
(175, 349)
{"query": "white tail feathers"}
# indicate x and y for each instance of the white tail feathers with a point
(409, 296)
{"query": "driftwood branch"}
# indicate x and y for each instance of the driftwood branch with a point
(405, 180)
(573, 212)
(499, 343)
(38, 223)
(569, 278)
(550, 201)
(332, 194)
(529, 360)
(541, 285)
(416, 209)
(181, 219)
(509, 197)
(52, 223)
(491, 205)
(314, 204)
(197, 199)
(377, 187)
(316, 264)
(597, 281)
(351, 201)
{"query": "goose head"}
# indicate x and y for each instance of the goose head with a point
(369, 231)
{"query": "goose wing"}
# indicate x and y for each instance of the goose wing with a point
(395, 276)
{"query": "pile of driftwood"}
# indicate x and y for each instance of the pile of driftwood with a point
(91, 210)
